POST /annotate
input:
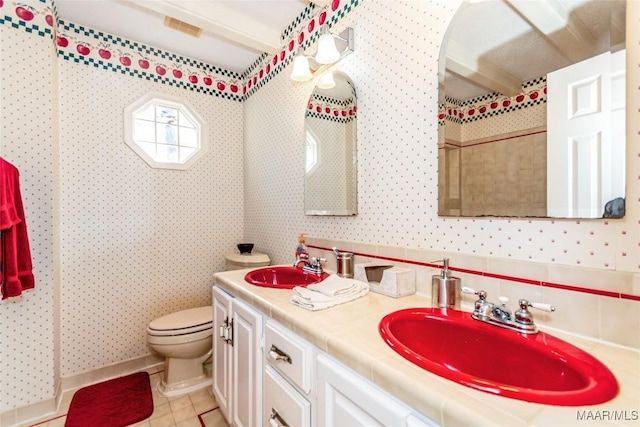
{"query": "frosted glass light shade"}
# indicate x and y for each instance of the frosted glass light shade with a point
(326, 81)
(301, 72)
(327, 51)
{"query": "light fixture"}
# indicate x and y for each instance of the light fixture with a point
(301, 71)
(326, 81)
(331, 48)
(327, 50)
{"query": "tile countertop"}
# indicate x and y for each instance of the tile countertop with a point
(349, 333)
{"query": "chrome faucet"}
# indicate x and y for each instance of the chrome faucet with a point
(500, 315)
(502, 312)
(301, 258)
(313, 265)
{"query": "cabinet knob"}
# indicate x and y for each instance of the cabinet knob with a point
(275, 420)
(277, 354)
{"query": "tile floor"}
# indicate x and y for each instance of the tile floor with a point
(197, 409)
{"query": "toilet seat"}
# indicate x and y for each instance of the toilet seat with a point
(183, 322)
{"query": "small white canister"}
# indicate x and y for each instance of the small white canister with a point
(238, 261)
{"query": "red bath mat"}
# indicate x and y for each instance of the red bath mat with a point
(115, 403)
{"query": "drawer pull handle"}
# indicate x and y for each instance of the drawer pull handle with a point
(278, 354)
(275, 420)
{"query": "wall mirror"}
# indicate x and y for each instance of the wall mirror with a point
(532, 110)
(330, 181)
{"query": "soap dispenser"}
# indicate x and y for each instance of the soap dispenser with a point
(301, 249)
(445, 290)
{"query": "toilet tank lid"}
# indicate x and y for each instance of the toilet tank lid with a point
(183, 319)
(255, 258)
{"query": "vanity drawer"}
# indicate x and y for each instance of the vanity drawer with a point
(283, 404)
(289, 354)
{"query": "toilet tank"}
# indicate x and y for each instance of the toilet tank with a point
(237, 261)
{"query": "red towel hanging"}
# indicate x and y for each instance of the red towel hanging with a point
(16, 272)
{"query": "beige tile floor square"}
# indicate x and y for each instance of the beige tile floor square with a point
(196, 409)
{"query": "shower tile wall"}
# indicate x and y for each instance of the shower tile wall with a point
(504, 176)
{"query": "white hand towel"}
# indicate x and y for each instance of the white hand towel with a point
(336, 286)
(313, 300)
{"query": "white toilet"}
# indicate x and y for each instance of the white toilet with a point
(184, 338)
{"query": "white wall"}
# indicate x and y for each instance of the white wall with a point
(136, 242)
(132, 243)
(27, 347)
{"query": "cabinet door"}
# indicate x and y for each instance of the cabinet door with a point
(222, 350)
(345, 399)
(247, 366)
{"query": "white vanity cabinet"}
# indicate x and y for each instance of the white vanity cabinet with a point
(288, 381)
(237, 362)
(266, 375)
(347, 399)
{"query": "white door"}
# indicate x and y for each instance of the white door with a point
(222, 350)
(585, 136)
(247, 366)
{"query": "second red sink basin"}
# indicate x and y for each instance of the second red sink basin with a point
(535, 368)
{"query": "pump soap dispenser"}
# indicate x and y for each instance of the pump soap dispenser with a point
(445, 290)
(301, 249)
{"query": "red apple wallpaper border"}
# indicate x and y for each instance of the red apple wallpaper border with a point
(112, 53)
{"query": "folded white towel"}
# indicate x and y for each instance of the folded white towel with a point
(336, 286)
(313, 300)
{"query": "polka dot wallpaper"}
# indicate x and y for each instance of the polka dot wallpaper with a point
(27, 349)
(136, 242)
(394, 69)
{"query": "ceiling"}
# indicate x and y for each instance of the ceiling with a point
(492, 45)
(496, 45)
(235, 33)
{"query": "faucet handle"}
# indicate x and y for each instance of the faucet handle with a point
(468, 290)
(540, 306)
(524, 316)
(482, 295)
(503, 300)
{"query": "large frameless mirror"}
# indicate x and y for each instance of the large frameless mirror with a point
(532, 110)
(330, 180)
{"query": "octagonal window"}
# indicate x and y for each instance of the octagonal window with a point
(165, 131)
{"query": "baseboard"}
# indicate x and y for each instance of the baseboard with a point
(110, 371)
(38, 410)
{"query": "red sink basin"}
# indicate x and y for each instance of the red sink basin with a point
(535, 368)
(282, 277)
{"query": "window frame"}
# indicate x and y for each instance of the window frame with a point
(183, 107)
